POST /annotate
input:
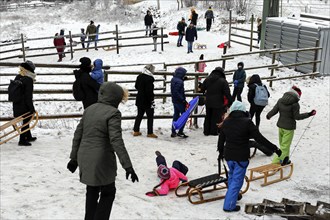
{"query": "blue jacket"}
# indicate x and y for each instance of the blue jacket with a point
(240, 76)
(97, 73)
(177, 86)
(191, 34)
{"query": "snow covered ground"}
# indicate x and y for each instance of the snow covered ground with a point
(34, 181)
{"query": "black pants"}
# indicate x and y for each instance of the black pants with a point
(237, 92)
(150, 118)
(256, 109)
(99, 209)
(27, 135)
(208, 24)
(176, 164)
(212, 118)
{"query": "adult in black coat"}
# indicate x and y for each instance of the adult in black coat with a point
(27, 77)
(88, 84)
(233, 145)
(145, 100)
(193, 17)
(216, 87)
(255, 109)
(148, 21)
(191, 35)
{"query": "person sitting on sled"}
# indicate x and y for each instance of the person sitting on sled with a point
(170, 178)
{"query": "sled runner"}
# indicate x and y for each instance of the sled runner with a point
(199, 46)
(268, 170)
(108, 48)
(12, 128)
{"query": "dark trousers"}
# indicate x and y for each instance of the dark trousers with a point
(26, 135)
(212, 118)
(237, 93)
(83, 43)
(99, 209)
(150, 118)
(256, 109)
(180, 40)
(179, 108)
(208, 24)
(176, 164)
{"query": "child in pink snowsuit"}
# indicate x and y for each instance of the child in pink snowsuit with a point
(201, 67)
(170, 178)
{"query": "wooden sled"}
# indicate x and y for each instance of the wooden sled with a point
(268, 170)
(202, 185)
(109, 48)
(12, 128)
(199, 46)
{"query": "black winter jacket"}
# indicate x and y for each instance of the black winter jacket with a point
(148, 20)
(234, 136)
(191, 34)
(252, 92)
(89, 86)
(145, 87)
(26, 104)
(194, 18)
(181, 27)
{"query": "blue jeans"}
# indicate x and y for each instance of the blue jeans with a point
(190, 44)
(235, 182)
(180, 39)
(179, 108)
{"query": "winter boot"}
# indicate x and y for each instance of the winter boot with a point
(24, 143)
(152, 136)
(236, 209)
(286, 161)
(183, 135)
(136, 133)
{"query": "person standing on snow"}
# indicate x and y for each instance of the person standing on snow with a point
(233, 145)
(148, 21)
(259, 25)
(91, 33)
(181, 31)
(97, 72)
(97, 138)
(59, 43)
(82, 37)
(191, 35)
(209, 18)
(154, 36)
(193, 17)
(178, 98)
(238, 81)
(145, 100)
(289, 109)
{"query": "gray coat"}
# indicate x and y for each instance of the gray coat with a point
(288, 107)
(98, 136)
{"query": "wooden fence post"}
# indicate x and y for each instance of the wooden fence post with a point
(317, 43)
(117, 39)
(164, 83)
(161, 38)
(251, 34)
(195, 121)
(229, 31)
(71, 50)
(224, 52)
(272, 70)
(23, 48)
(106, 75)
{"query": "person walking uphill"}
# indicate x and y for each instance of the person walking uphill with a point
(178, 98)
(289, 109)
(91, 33)
(209, 18)
(216, 88)
(97, 72)
(59, 43)
(191, 34)
(233, 145)
(181, 29)
(145, 100)
(238, 81)
(148, 21)
(97, 138)
(25, 104)
(88, 86)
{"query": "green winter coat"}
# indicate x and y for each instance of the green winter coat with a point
(288, 107)
(91, 30)
(98, 136)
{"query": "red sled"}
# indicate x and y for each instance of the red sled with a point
(222, 45)
(175, 33)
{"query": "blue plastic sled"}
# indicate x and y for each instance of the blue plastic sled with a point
(184, 117)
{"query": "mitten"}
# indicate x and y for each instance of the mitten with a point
(268, 118)
(151, 194)
(313, 112)
(72, 165)
(130, 171)
(278, 152)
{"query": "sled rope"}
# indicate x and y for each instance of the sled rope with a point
(301, 136)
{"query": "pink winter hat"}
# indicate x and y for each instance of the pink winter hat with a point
(163, 172)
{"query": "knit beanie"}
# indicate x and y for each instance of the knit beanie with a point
(85, 62)
(295, 88)
(28, 65)
(163, 172)
(237, 106)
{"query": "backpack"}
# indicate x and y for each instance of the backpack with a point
(15, 90)
(261, 95)
(77, 91)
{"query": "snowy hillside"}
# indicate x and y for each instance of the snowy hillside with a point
(34, 181)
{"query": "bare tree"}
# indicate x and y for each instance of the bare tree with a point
(241, 7)
(229, 4)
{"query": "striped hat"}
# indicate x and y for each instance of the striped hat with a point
(163, 172)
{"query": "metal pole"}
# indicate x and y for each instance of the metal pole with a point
(23, 48)
(117, 39)
(229, 32)
(223, 53)
(251, 34)
(162, 38)
(71, 50)
(317, 42)
(272, 70)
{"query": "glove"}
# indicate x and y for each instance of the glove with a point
(186, 105)
(235, 83)
(152, 104)
(278, 152)
(72, 165)
(151, 194)
(313, 112)
(130, 171)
